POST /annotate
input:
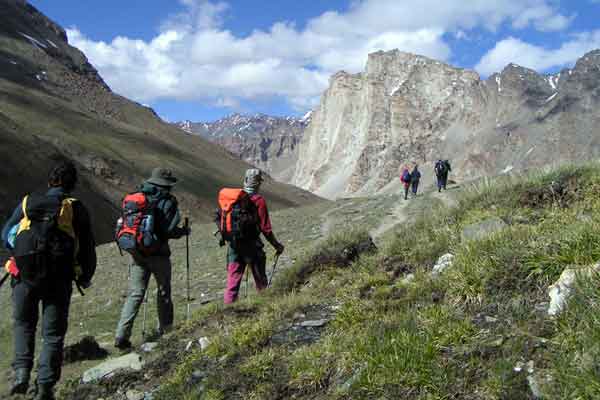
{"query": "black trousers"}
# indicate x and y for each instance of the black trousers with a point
(55, 299)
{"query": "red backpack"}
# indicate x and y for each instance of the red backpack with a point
(237, 216)
(135, 231)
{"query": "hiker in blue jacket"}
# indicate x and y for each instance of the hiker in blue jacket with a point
(415, 178)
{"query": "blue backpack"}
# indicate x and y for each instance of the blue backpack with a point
(405, 176)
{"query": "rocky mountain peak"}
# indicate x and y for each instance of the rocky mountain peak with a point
(406, 108)
(265, 141)
(22, 21)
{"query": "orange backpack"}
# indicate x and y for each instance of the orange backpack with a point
(236, 217)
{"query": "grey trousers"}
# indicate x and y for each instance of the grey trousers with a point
(141, 269)
(55, 299)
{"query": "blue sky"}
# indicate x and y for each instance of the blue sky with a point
(203, 59)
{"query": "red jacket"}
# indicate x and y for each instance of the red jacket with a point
(406, 184)
(263, 213)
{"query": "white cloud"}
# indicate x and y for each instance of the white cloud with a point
(543, 18)
(536, 57)
(195, 58)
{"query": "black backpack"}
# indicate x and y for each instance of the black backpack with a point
(45, 244)
(237, 217)
(441, 168)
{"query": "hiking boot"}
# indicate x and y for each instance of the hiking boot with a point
(21, 383)
(122, 344)
(45, 392)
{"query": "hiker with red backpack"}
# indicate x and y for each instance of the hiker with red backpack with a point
(405, 178)
(50, 239)
(241, 218)
(150, 217)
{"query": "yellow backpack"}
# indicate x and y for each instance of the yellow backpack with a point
(45, 233)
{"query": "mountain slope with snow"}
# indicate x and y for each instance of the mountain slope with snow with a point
(54, 105)
(268, 142)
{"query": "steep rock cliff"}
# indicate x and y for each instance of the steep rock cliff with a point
(410, 109)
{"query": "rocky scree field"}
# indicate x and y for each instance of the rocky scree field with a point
(452, 304)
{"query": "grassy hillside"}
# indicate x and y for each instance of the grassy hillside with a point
(392, 329)
(97, 313)
(54, 105)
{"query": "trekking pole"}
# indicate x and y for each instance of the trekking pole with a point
(246, 295)
(4, 278)
(187, 261)
(273, 271)
(144, 314)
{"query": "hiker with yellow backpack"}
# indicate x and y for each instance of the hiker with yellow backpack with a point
(50, 239)
(241, 217)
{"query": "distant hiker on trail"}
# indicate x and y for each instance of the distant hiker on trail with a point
(241, 218)
(415, 178)
(150, 218)
(441, 169)
(50, 239)
(405, 179)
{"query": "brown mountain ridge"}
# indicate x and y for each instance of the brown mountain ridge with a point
(55, 105)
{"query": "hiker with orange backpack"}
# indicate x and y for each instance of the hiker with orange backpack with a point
(241, 218)
(50, 238)
(150, 217)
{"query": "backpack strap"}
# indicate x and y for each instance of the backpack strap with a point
(65, 217)
(25, 222)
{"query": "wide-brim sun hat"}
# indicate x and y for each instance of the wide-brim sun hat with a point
(162, 177)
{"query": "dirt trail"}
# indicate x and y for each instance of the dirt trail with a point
(395, 217)
(447, 197)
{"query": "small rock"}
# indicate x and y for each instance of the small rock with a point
(408, 278)
(298, 316)
(518, 367)
(131, 361)
(148, 347)
(314, 324)
(490, 320)
(561, 290)
(204, 342)
(198, 375)
(134, 395)
(530, 366)
(443, 263)
(534, 387)
(188, 346)
(346, 386)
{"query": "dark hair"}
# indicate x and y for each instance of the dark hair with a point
(63, 175)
